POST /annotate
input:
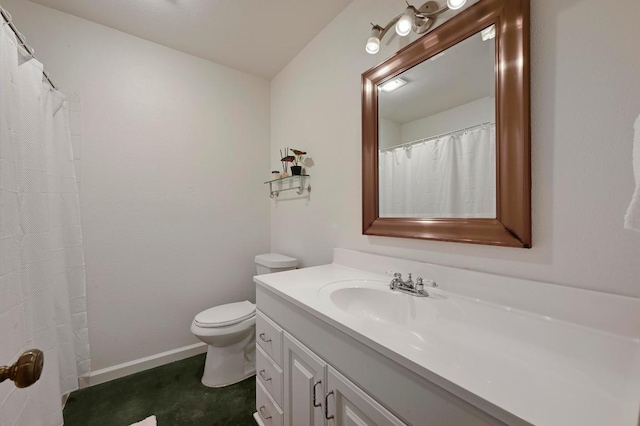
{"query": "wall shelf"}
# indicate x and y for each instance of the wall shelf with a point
(276, 186)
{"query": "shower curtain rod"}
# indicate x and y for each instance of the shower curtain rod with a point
(436, 136)
(21, 39)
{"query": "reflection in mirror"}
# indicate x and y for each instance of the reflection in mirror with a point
(436, 135)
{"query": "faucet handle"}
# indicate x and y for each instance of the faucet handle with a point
(421, 282)
(396, 281)
(409, 283)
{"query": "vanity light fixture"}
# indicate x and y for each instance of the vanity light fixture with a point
(420, 20)
(373, 44)
(455, 4)
(392, 85)
(403, 27)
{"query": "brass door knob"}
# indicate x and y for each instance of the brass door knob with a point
(26, 370)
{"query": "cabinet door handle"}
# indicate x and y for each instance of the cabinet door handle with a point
(264, 376)
(262, 413)
(315, 404)
(264, 338)
(326, 406)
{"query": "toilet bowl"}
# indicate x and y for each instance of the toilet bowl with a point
(230, 331)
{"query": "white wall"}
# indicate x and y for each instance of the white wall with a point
(174, 153)
(388, 133)
(585, 98)
(466, 115)
(470, 114)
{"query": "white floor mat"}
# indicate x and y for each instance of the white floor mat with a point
(149, 421)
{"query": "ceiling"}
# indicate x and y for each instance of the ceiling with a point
(256, 36)
(464, 73)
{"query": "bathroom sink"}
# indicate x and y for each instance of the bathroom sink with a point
(374, 301)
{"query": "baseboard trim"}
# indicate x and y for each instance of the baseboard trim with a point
(121, 370)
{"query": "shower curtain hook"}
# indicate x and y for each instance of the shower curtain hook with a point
(22, 39)
(7, 16)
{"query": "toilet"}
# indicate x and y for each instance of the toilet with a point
(230, 331)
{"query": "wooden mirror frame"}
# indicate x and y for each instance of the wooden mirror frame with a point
(512, 226)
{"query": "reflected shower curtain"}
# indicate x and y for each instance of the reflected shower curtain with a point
(42, 275)
(454, 176)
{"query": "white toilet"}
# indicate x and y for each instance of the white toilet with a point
(230, 331)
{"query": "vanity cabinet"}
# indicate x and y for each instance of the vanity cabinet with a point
(361, 385)
(349, 405)
(315, 394)
(304, 384)
(269, 374)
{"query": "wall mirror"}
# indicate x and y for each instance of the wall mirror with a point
(446, 145)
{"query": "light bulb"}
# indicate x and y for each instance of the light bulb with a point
(455, 4)
(373, 45)
(403, 27)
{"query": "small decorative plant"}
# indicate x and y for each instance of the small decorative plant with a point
(296, 159)
(296, 169)
(286, 158)
(298, 156)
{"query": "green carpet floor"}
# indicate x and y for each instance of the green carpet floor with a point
(172, 392)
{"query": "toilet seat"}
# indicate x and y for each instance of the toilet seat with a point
(225, 315)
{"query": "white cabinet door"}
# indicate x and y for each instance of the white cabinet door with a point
(348, 405)
(304, 385)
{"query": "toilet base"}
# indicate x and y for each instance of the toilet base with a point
(230, 383)
(228, 365)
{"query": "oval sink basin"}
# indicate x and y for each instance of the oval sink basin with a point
(374, 301)
(369, 304)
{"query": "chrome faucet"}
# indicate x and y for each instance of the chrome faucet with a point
(409, 287)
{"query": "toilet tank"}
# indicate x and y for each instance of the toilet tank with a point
(274, 262)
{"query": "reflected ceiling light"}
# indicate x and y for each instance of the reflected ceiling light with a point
(392, 85)
(420, 20)
(488, 33)
(455, 4)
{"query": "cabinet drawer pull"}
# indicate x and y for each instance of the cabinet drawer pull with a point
(326, 406)
(315, 404)
(262, 413)
(264, 338)
(264, 376)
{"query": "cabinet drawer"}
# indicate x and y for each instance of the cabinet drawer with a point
(269, 375)
(269, 337)
(268, 412)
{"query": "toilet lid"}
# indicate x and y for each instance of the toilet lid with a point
(225, 315)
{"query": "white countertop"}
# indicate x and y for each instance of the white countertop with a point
(541, 370)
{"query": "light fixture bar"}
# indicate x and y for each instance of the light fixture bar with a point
(419, 20)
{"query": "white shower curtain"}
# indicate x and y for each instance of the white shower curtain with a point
(42, 275)
(454, 176)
